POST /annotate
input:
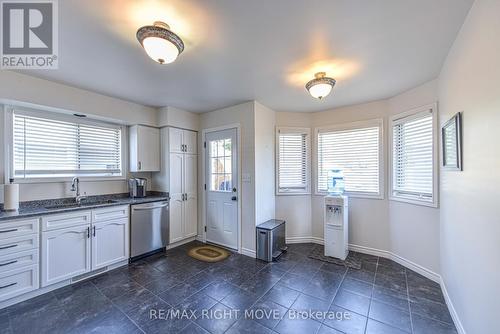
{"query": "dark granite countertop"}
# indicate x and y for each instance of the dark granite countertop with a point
(51, 206)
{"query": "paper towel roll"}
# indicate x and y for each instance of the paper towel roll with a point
(11, 197)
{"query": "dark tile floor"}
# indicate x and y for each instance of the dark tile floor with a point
(383, 297)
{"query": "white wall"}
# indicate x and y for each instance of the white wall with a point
(409, 231)
(470, 210)
(15, 87)
(244, 115)
(265, 120)
(295, 209)
(414, 230)
(170, 116)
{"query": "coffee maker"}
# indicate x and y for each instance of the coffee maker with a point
(137, 187)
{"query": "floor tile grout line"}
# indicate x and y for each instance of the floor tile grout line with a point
(371, 296)
(409, 303)
(116, 306)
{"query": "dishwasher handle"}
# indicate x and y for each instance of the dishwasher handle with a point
(140, 208)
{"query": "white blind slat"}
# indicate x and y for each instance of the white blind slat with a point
(413, 157)
(292, 161)
(356, 153)
(47, 147)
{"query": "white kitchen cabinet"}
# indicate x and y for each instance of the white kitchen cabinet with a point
(144, 142)
(190, 142)
(73, 245)
(178, 176)
(18, 281)
(191, 216)
(182, 141)
(65, 253)
(176, 217)
(110, 242)
(175, 140)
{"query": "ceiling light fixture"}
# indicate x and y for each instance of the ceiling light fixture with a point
(161, 44)
(320, 86)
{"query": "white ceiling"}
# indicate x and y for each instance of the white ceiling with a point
(240, 50)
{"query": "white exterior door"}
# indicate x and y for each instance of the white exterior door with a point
(221, 156)
(110, 242)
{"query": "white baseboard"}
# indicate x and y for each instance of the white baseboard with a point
(451, 308)
(299, 240)
(399, 259)
(248, 252)
(182, 242)
(376, 252)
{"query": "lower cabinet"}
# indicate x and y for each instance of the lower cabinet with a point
(183, 219)
(110, 242)
(71, 251)
(65, 253)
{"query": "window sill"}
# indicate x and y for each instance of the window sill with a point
(69, 179)
(294, 194)
(414, 201)
(354, 195)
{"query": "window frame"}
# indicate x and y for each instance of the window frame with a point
(377, 122)
(65, 116)
(409, 115)
(293, 130)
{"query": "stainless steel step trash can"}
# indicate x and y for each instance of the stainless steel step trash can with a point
(271, 240)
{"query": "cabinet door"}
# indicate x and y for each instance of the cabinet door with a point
(148, 149)
(190, 141)
(65, 253)
(176, 218)
(175, 140)
(109, 242)
(190, 216)
(175, 171)
(190, 171)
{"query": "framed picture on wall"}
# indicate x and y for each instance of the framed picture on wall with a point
(451, 135)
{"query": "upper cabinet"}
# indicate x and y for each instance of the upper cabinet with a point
(144, 148)
(182, 141)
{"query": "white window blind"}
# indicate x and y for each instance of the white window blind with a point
(293, 156)
(46, 147)
(413, 162)
(356, 152)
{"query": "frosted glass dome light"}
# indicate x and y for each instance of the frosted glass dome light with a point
(320, 86)
(161, 44)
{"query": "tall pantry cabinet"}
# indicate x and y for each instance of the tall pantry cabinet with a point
(178, 176)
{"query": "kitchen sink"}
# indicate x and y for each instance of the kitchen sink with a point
(82, 204)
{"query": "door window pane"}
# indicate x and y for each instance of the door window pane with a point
(220, 165)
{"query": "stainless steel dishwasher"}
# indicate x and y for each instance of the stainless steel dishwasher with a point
(149, 228)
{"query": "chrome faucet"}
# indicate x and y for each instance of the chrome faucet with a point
(75, 186)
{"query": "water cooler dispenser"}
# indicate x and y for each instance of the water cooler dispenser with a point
(336, 226)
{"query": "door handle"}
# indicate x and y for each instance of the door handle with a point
(234, 198)
(88, 232)
(139, 165)
(93, 234)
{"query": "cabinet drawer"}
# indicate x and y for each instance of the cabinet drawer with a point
(17, 260)
(14, 228)
(105, 214)
(17, 282)
(18, 244)
(54, 222)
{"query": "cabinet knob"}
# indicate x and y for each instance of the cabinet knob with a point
(139, 165)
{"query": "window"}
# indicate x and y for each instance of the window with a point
(293, 155)
(46, 147)
(356, 149)
(413, 157)
(221, 164)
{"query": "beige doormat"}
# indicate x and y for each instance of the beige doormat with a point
(208, 253)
